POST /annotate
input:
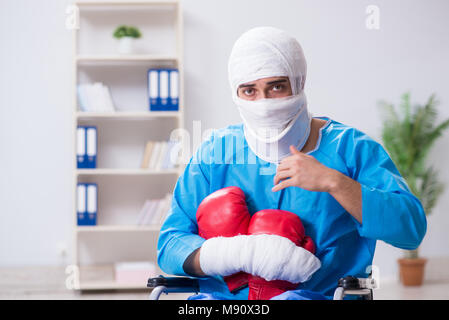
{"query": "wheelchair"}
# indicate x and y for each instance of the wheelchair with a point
(361, 288)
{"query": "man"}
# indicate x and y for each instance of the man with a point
(341, 183)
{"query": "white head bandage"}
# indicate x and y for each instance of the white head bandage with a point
(271, 125)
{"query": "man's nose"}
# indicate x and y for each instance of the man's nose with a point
(264, 95)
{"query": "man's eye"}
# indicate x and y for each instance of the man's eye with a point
(248, 91)
(278, 87)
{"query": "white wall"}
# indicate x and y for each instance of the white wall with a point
(35, 131)
(349, 69)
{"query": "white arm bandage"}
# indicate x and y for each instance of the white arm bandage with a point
(271, 257)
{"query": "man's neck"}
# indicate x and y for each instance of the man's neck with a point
(315, 127)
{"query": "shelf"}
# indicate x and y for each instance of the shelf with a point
(122, 228)
(102, 277)
(128, 115)
(109, 285)
(124, 172)
(102, 4)
(124, 58)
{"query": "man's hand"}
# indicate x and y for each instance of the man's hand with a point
(304, 171)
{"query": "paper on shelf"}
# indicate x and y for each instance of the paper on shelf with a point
(155, 212)
(109, 105)
(147, 154)
(167, 162)
(160, 156)
(149, 213)
(95, 97)
(166, 202)
(154, 155)
(143, 211)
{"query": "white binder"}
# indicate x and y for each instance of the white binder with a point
(92, 202)
(163, 83)
(81, 147)
(174, 85)
(81, 203)
(91, 147)
(153, 86)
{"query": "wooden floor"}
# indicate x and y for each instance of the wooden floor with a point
(49, 283)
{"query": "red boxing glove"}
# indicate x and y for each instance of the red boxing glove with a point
(281, 223)
(224, 213)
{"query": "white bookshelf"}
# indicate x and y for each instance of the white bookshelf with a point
(123, 58)
(125, 172)
(127, 115)
(123, 186)
(122, 228)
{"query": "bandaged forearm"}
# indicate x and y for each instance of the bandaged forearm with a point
(271, 257)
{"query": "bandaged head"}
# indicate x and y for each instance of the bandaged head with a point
(271, 125)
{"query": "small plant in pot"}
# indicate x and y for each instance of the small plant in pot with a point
(408, 135)
(126, 36)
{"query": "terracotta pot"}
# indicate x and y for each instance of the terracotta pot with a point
(411, 271)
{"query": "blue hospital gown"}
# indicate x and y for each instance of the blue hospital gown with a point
(390, 212)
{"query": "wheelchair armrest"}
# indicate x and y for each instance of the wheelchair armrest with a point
(175, 284)
(349, 283)
(361, 287)
(353, 283)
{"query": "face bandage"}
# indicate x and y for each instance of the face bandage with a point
(271, 125)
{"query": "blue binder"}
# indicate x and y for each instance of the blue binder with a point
(153, 88)
(86, 149)
(163, 89)
(174, 90)
(87, 199)
(81, 159)
(91, 147)
(92, 200)
(81, 207)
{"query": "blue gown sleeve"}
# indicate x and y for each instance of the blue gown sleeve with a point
(179, 237)
(390, 212)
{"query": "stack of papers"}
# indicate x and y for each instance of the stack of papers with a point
(160, 155)
(154, 212)
(95, 97)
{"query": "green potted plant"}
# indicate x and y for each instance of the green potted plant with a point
(408, 134)
(126, 36)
